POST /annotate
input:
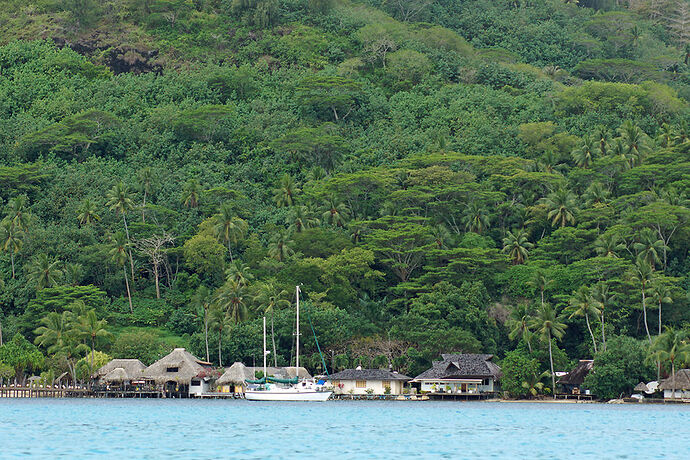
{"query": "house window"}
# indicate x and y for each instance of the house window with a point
(196, 383)
(386, 384)
(361, 384)
(171, 369)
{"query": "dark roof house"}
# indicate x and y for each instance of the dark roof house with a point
(681, 381)
(575, 377)
(368, 374)
(462, 366)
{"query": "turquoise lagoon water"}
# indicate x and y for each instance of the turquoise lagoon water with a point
(164, 429)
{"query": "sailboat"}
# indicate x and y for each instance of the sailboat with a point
(272, 389)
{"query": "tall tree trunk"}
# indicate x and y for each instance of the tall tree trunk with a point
(603, 331)
(273, 339)
(673, 380)
(589, 327)
(12, 259)
(155, 275)
(129, 294)
(129, 249)
(143, 210)
(206, 333)
(230, 251)
(0, 333)
(644, 312)
(658, 362)
(553, 376)
(220, 337)
(93, 354)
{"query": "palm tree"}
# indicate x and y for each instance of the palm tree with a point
(440, 235)
(300, 218)
(665, 136)
(584, 154)
(518, 323)
(596, 193)
(239, 273)
(548, 325)
(620, 151)
(608, 245)
(118, 200)
(2, 286)
(648, 246)
(44, 271)
(476, 218)
(635, 141)
(191, 193)
(660, 294)
(118, 254)
(145, 180)
(335, 212)
(18, 212)
(269, 298)
(90, 328)
(517, 246)
(201, 300)
(72, 273)
(87, 213)
(643, 275)
(11, 240)
(672, 346)
(583, 304)
(57, 335)
(541, 283)
(600, 293)
(219, 320)
(601, 137)
(285, 193)
(533, 383)
(230, 298)
(280, 246)
(229, 228)
(561, 205)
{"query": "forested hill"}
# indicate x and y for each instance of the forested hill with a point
(439, 175)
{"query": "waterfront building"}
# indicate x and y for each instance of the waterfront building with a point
(120, 371)
(678, 388)
(234, 378)
(572, 381)
(368, 382)
(464, 374)
(180, 374)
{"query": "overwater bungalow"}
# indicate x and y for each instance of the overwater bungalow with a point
(368, 382)
(120, 370)
(461, 374)
(678, 388)
(234, 378)
(572, 381)
(181, 375)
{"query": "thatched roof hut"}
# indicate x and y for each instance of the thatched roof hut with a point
(681, 381)
(575, 377)
(117, 375)
(132, 367)
(178, 366)
(641, 388)
(238, 373)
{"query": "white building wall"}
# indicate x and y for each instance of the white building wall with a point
(203, 387)
(350, 387)
(680, 394)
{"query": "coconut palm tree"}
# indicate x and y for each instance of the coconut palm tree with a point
(635, 141)
(44, 271)
(191, 192)
(665, 136)
(671, 347)
(88, 213)
(476, 218)
(518, 324)
(201, 300)
(533, 383)
(440, 235)
(219, 320)
(118, 255)
(72, 273)
(118, 200)
(596, 193)
(608, 245)
(145, 183)
(601, 137)
(285, 193)
(300, 218)
(643, 274)
(230, 298)
(548, 325)
(11, 240)
(269, 298)
(229, 228)
(335, 212)
(601, 294)
(17, 212)
(57, 335)
(92, 329)
(583, 304)
(583, 156)
(561, 205)
(619, 150)
(239, 273)
(517, 246)
(648, 246)
(540, 283)
(280, 246)
(659, 294)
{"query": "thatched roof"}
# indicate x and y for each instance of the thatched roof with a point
(116, 375)
(641, 387)
(186, 366)
(462, 366)
(132, 368)
(238, 373)
(578, 374)
(682, 381)
(368, 374)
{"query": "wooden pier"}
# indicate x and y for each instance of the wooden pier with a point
(38, 392)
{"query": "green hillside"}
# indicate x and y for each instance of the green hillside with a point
(439, 175)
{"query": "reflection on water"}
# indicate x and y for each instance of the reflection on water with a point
(339, 429)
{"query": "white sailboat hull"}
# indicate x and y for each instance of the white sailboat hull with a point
(288, 394)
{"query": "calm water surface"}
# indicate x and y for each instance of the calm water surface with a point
(156, 429)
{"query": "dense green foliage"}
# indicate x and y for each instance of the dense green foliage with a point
(439, 175)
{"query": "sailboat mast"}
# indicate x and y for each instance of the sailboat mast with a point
(297, 347)
(264, 347)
